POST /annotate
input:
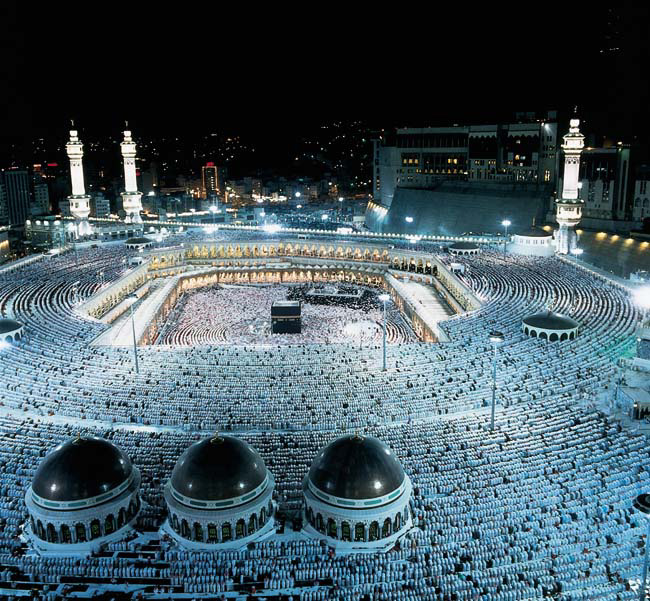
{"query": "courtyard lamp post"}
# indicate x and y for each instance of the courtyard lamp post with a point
(496, 338)
(134, 298)
(73, 234)
(384, 298)
(576, 252)
(642, 503)
(642, 299)
(506, 223)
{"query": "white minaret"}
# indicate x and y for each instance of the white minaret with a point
(79, 200)
(130, 197)
(568, 205)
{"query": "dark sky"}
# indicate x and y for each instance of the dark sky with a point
(187, 67)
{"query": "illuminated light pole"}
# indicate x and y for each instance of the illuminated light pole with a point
(384, 298)
(134, 298)
(73, 232)
(576, 252)
(214, 209)
(642, 503)
(506, 223)
(75, 291)
(642, 299)
(496, 338)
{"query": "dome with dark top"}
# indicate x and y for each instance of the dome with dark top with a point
(217, 469)
(535, 232)
(548, 320)
(9, 325)
(81, 469)
(356, 467)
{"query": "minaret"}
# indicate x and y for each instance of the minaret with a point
(568, 205)
(79, 200)
(130, 197)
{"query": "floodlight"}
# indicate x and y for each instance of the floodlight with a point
(642, 297)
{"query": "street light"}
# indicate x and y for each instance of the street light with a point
(506, 223)
(642, 299)
(576, 252)
(134, 298)
(73, 231)
(496, 338)
(642, 503)
(384, 298)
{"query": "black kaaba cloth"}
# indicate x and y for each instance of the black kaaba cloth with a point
(285, 317)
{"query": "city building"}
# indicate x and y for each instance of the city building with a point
(17, 195)
(209, 180)
(4, 208)
(41, 203)
(4, 243)
(641, 194)
(463, 179)
(422, 157)
(603, 183)
(99, 205)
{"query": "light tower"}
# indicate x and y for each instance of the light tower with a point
(130, 197)
(79, 200)
(569, 206)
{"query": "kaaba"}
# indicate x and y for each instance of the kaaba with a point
(285, 317)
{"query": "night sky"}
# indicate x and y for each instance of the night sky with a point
(189, 68)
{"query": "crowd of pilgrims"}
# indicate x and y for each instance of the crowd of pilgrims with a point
(241, 314)
(539, 508)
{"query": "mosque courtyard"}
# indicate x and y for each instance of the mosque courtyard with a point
(539, 507)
